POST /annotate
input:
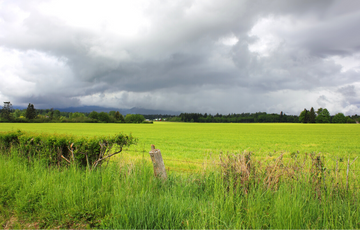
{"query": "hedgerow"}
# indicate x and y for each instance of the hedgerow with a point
(60, 149)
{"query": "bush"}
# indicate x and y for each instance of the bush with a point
(63, 149)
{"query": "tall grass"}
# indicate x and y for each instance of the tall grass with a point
(126, 195)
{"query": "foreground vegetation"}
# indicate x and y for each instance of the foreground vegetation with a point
(281, 189)
(237, 193)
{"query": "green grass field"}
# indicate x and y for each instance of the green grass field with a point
(192, 140)
(182, 144)
(292, 194)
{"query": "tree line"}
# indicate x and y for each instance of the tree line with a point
(30, 114)
(322, 115)
(236, 118)
(306, 116)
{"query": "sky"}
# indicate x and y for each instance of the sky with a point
(228, 56)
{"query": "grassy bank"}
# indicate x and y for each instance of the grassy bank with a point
(126, 195)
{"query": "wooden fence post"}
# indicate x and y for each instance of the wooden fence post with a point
(158, 163)
(347, 174)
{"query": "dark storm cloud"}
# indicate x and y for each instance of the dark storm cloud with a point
(43, 101)
(338, 36)
(182, 55)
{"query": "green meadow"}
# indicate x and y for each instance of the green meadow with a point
(185, 146)
(283, 183)
(192, 140)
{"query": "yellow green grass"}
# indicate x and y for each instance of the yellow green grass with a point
(181, 143)
(192, 140)
(315, 193)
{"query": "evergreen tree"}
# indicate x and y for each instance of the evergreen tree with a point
(119, 117)
(30, 112)
(312, 115)
(6, 111)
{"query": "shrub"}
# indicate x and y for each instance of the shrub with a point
(63, 149)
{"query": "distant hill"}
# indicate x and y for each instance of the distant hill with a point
(88, 109)
(153, 111)
(135, 110)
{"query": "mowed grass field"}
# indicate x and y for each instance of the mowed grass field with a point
(196, 141)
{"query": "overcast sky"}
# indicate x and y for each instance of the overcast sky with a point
(228, 56)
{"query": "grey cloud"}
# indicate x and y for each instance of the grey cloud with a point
(322, 101)
(348, 91)
(349, 96)
(44, 101)
(338, 36)
(180, 54)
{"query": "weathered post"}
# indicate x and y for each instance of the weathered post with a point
(347, 174)
(158, 163)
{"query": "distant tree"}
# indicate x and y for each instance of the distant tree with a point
(30, 112)
(339, 118)
(17, 113)
(94, 115)
(134, 118)
(112, 113)
(349, 120)
(119, 117)
(104, 117)
(6, 111)
(319, 111)
(312, 115)
(323, 116)
(51, 113)
(304, 116)
(57, 114)
(77, 115)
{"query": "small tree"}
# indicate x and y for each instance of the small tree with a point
(30, 112)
